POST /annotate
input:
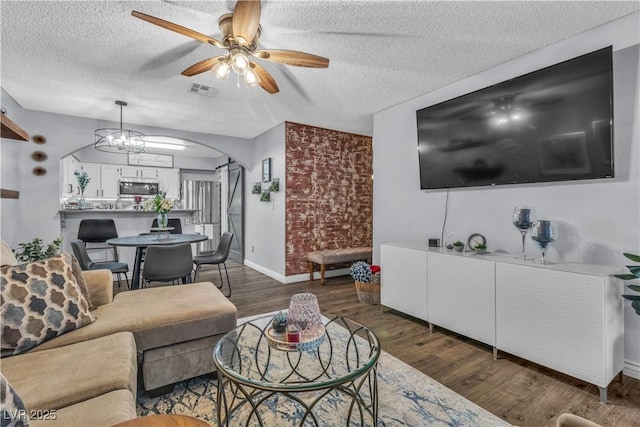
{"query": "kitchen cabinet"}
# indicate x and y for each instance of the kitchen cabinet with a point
(69, 182)
(138, 172)
(170, 182)
(93, 187)
(105, 178)
(109, 180)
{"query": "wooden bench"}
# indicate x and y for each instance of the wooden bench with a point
(336, 256)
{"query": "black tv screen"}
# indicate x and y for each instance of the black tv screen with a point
(554, 124)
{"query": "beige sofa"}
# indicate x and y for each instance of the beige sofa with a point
(89, 376)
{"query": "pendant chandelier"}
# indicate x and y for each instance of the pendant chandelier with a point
(120, 140)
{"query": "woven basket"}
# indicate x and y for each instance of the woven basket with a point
(368, 293)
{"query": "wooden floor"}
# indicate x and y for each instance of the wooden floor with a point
(518, 391)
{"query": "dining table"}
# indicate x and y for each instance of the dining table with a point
(142, 241)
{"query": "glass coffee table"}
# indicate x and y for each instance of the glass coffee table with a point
(333, 382)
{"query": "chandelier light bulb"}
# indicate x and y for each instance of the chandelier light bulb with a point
(251, 79)
(240, 63)
(221, 70)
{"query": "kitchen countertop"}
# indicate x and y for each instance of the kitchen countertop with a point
(130, 210)
(118, 213)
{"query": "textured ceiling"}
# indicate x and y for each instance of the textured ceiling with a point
(78, 57)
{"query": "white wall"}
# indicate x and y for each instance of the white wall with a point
(265, 221)
(598, 220)
(13, 161)
(37, 208)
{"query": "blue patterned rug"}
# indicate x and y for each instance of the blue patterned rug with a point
(407, 397)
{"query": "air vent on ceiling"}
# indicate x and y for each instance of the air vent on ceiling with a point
(204, 90)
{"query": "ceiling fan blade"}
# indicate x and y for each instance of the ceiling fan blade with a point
(246, 20)
(177, 28)
(292, 57)
(203, 66)
(266, 81)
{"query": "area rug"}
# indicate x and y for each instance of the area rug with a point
(407, 397)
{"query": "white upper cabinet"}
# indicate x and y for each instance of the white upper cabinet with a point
(93, 172)
(170, 182)
(109, 180)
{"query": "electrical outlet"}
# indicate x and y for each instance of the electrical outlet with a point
(252, 248)
(187, 221)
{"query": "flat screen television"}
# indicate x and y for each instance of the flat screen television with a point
(554, 124)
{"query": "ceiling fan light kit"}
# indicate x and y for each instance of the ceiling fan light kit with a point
(240, 32)
(120, 140)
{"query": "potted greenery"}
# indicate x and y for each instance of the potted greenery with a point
(480, 248)
(458, 246)
(634, 273)
(35, 250)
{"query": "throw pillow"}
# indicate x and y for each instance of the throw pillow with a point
(40, 300)
(13, 413)
(82, 284)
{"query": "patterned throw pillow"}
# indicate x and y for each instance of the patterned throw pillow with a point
(40, 301)
(12, 410)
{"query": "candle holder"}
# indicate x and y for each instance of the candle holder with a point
(304, 314)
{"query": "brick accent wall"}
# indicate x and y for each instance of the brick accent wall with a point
(329, 192)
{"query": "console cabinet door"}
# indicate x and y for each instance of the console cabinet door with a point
(461, 295)
(564, 320)
(403, 282)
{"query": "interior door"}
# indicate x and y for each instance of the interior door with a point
(235, 213)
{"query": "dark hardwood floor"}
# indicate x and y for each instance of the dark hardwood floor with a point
(516, 390)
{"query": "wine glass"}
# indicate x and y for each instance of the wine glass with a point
(544, 233)
(523, 218)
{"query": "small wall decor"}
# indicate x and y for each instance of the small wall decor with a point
(275, 185)
(148, 159)
(39, 171)
(39, 139)
(256, 188)
(266, 170)
(39, 156)
(266, 196)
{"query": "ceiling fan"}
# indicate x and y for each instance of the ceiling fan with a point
(240, 33)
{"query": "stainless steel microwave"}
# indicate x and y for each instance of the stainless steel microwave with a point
(139, 187)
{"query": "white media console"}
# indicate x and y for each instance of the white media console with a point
(566, 316)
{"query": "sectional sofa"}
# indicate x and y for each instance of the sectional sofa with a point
(89, 376)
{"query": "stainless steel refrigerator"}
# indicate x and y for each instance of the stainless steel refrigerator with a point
(205, 197)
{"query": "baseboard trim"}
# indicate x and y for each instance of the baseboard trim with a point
(631, 369)
(316, 275)
(277, 276)
(296, 277)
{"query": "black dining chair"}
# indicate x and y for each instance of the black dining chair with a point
(168, 263)
(173, 222)
(218, 257)
(80, 251)
(98, 231)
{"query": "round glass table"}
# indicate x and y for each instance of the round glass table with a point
(330, 384)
